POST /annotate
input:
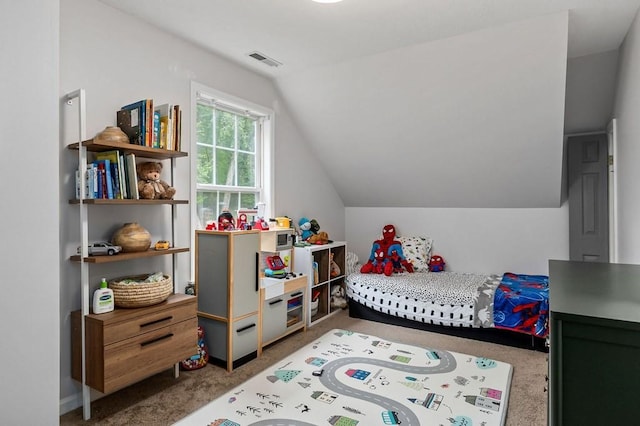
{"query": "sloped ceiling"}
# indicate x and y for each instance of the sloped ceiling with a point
(415, 103)
(470, 121)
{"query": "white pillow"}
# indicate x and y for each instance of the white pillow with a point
(417, 250)
(352, 263)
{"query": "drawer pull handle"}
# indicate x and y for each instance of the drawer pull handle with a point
(275, 302)
(143, 344)
(246, 327)
(296, 294)
(257, 271)
(147, 324)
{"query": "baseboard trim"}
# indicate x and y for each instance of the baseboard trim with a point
(70, 403)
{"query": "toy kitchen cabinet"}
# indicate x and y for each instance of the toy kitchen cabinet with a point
(228, 291)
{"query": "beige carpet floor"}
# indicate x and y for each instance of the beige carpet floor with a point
(162, 400)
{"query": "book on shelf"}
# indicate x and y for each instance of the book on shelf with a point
(150, 125)
(88, 182)
(124, 179)
(178, 136)
(156, 129)
(129, 122)
(115, 181)
(115, 171)
(165, 112)
(132, 174)
(104, 166)
(134, 118)
(148, 135)
(92, 173)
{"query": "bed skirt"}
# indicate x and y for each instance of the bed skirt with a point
(494, 335)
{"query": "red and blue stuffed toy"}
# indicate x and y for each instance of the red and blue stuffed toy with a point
(436, 263)
(386, 255)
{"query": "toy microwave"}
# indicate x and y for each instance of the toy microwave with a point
(276, 240)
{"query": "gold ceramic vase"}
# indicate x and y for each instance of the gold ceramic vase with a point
(132, 238)
(111, 134)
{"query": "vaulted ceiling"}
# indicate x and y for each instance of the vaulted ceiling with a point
(415, 103)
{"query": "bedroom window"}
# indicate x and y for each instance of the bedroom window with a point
(232, 146)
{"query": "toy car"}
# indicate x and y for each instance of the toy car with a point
(102, 248)
(162, 245)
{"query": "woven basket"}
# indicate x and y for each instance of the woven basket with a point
(137, 295)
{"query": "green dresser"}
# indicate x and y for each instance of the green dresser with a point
(594, 354)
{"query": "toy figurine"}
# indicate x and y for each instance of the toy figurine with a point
(225, 221)
(436, 263)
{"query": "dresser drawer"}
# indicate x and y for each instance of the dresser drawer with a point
(133, 359)
(127, 345)
(146, 323)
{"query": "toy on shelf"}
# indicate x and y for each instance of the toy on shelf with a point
(225, 221)
(310, 231)
(242, 222)
(276, 267)
(150, 186)
(436, 263)
(305, 228)
(261, 224)
(338, 297)
(334, 270)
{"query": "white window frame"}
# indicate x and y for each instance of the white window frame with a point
(266, 151)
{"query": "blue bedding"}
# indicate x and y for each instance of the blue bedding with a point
(521, 303)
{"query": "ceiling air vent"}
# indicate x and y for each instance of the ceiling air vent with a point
(265, 59)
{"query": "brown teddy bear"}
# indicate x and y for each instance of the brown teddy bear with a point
(319, 238)
(150, 186)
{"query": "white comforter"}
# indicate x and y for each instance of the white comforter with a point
(443, 298)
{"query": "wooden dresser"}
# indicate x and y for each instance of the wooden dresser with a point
(127, 345)
(594, 354)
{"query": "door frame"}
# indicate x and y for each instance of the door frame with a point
(613, 190)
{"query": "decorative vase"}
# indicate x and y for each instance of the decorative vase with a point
(132, 238)
(111, 134)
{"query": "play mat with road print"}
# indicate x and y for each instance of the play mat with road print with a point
(347, 378)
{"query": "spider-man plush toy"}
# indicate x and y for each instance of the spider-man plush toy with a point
(392, 251)
(436, 264)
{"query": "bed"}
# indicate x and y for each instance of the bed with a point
(508, 308)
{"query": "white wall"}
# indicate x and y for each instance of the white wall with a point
(591, 82)
(117, 60)
(471, 240)
(626, 112)
(29, 305)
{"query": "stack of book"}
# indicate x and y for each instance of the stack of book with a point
(151, 126)
(111, 176)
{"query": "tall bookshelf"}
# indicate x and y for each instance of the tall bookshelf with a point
(180, 336)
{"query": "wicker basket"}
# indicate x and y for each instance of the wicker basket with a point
(138, 295)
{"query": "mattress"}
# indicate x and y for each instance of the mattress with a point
(443, 298)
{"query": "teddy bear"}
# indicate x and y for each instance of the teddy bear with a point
(150, 186)
(338, 299)
(334, 268)
(319, 238)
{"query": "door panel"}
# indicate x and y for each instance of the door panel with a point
(588, 198)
